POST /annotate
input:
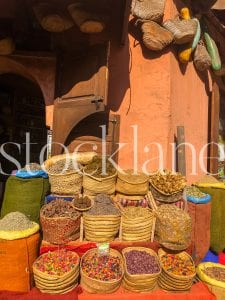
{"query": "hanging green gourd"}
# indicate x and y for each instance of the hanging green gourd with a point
(212, 50)
(197, 36)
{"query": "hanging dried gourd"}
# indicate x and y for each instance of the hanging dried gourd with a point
(148, 9)
(155, 37)
(184, 30)
(87, 21)
(7, 46)
(51, 19)
(185, 54)
(213, 51)
(202, 59)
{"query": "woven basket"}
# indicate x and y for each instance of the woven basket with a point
(101, 228)
(183, 30)
(60, 230)
(179, 278)
(169, 233)
(202, 59)
(7, 46)
(97, 286)
(140, 282)
(158, 196)
(155, 37)
(136, 229)
(217, 291)
(67, 183)
(83, 209)
(148, 9)
(94, 185)
(56, 284)
(130, 184)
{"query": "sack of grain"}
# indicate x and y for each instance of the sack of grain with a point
(25, 195)
(173, 227)
(148, 9)
(16, 225)
(16, 260)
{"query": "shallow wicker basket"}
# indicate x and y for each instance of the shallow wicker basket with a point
(97, 286)
(172, 282)
(140, 282)
(56, 284)
(83, 209)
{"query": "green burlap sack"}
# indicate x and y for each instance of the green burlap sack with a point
(217, 227)
(24, 195)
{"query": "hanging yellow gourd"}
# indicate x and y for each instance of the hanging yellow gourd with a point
(184, 55)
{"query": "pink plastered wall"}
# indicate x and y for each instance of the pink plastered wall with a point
(158, 96)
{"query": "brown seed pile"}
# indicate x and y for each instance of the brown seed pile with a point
(103, 206)
(96, 168)
(59, 208)
(82, 202)
(15, 221)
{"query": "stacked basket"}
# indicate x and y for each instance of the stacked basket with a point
(101, 228)
(102, 221)
(140, 282)
(56, 284)
(174, 282)
(136, 224)
(96, 286)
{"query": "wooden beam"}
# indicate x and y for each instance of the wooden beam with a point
(214, 129)
(125, 21)
(181, 159)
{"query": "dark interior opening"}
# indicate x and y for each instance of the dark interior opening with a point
(22, 113)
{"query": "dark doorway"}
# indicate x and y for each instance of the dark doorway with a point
(22, 112)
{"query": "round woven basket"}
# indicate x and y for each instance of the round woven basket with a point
(83, 209)
(173, 282)
(97, 286)
(158, 196)
(93, 185)
(60, 230)
(101, 228)
(56, 284)
(66, 183)
(130, 184)
(140, 282)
